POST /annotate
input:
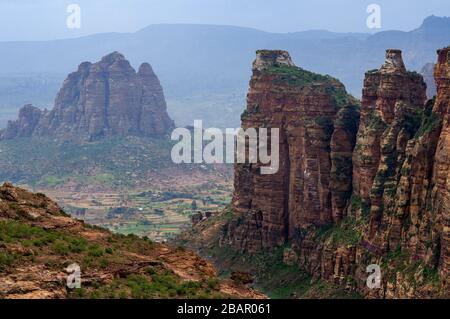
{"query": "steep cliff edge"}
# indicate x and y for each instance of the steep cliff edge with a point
(389, 208)
(107, 98)
(441, 173)
(393, 180)
(317, 121)
(38, 241)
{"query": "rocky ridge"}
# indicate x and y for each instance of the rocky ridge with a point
(345, 198)
(38, 241)
(317, 121)
(107, 98)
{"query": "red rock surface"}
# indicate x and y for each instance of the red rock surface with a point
(398, 173)
(382, 90)
(305, 107)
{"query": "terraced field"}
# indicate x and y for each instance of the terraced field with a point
(158, 215)
(129, 185)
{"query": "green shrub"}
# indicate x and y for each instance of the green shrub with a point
(375, 122)
(213, 283)
(429, 123)
(140, 287)
(6, 260)
(77, 245)
(104, 263)
(431, 275)
(357, 203)
(150, 270)
(61, 248)
(95, 251)
(12, 231)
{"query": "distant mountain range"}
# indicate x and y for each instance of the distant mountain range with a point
(204, 68)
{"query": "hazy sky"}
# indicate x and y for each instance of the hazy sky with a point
(46, 19)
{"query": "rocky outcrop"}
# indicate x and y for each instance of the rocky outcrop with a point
(29, 117)
(38, 242)
(397, 172)
(317, 121)
(441, 174)
(107, 98)
(390, 96)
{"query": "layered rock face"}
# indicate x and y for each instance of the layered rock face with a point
(394, 162)
(390, 96)
(441, 173)
(106, 98)
(317, 122)
(397, 173)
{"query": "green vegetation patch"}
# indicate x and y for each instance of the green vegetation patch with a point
(38, 240)
(296, 76)
(153, 284)
(342, 98)
(349, 118)
(7, 260)
(357, 203)
(347, 233)
(22, 243)
(247, 113)
(422, 120)
(374, 121)
(327, 124)
(273, 277)
(115, 161)
(399, 261)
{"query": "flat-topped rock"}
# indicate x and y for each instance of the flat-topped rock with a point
(394, 62)
(266, 58)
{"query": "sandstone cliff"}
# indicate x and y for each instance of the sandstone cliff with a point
(102, 99)
(389, 203)
(317, 121)
(25, 125)
(38, 241)
(440, 208)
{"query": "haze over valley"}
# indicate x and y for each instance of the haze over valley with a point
(204, 68)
